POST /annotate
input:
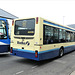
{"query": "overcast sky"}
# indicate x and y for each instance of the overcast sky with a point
(53, 10)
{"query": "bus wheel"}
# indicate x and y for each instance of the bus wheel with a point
(61, 52)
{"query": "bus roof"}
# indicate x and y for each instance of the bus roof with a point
(64, 26)
(3, 19)
(49, 21)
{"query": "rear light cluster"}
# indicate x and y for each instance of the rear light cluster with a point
(11, 50)
(12, 22)
(37, 20)
(36, 54)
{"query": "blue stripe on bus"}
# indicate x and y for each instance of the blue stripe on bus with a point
(54, 49)
(48, 50)
(6, 41)
(3, 19)
(24, 50)
(69, 46)
(34, 51)
(41, 55)
(57, 25)
(40, 51)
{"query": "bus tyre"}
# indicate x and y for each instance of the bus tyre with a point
(61, 52)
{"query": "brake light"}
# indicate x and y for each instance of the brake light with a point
(36, 54)
(40, 47)
(12, 22)
(37, 20)
(11, 49)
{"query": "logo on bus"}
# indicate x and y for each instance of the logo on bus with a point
(25, 43)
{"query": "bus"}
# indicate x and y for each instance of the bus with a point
(4, 36)
(40, 39)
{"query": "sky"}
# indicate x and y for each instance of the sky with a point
(59, 11)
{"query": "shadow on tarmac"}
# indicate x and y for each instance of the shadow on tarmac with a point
(4, 55)
(33, 62)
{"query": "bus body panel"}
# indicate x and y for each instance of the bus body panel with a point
(4, 48)
(45, 51)
(47, 54)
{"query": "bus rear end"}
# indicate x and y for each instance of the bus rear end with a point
(24, 37)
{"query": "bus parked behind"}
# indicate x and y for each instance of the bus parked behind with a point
(4, 36)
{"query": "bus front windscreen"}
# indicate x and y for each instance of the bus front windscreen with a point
(3, 34)
(24, 27)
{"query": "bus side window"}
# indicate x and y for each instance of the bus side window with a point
(68, 36)
(48, 35)
(56, 36)
(72, 36)
(60, 35)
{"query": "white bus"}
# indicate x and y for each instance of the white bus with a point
(40, 39)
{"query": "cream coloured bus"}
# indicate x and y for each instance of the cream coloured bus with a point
(40, 39)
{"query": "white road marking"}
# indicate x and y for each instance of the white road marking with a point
(73, 73)
(60, 61)
(34, 67)
(23, 71)
(19, 72)
(73, 55)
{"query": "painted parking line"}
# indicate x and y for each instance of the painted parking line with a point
(73, 73)
(23, 71)
(73, 55)
(60, 61)
(18, 72)
(34, 66)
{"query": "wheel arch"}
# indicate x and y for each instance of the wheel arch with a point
(60, 51)
(62, 47)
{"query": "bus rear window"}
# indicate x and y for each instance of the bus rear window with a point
(25, 27)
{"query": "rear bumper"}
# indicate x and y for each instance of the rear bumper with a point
(31, 54)
(24, 54)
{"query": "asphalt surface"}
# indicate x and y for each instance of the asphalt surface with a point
(13, 65)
